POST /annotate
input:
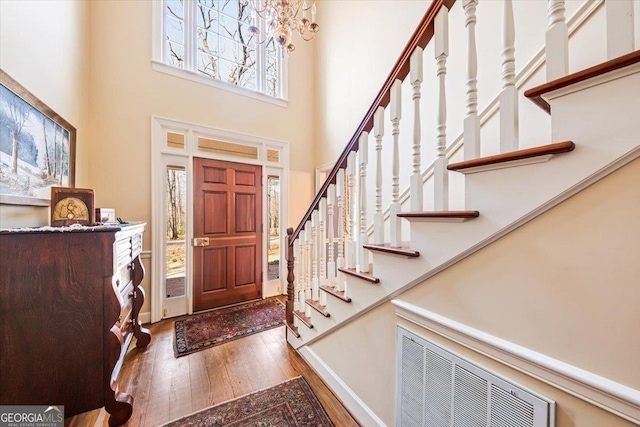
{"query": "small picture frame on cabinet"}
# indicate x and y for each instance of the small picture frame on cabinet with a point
(71, 206)
(105, 215)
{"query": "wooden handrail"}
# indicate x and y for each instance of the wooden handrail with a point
(421, 37)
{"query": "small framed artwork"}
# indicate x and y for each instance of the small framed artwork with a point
(105, 215)
(71, 206)
(37, 147)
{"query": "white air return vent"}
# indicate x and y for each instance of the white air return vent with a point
(437, 388)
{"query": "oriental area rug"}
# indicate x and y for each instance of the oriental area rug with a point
(288, 404)
(204, 330)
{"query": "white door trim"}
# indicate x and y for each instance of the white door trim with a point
(160, 152)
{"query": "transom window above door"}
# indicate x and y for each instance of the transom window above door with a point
(211, 39)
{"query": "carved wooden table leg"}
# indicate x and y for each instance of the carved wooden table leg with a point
(118, 404)
(143, 336)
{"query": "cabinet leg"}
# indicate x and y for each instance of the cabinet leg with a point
(120, 408)
(143, 336)
(118, 404)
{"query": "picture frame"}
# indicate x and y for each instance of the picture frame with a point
(37, 147)
(72, 206)
(105, 215)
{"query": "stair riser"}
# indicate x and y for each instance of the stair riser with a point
(508, 198)
(590, 105)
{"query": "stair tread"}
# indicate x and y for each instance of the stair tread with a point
(336, 293)
(364, 276)
(544, 150)
(294, 330)
(386, 248)
(440, 214)
(304, 319)
(535, 93)
(318, 307)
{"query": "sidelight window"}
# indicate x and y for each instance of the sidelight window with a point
(273, 216)
(176, 228)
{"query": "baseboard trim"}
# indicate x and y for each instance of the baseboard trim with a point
(350, 400)
(609, 395)
(145, 317)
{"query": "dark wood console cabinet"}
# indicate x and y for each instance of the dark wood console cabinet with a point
(69, 306)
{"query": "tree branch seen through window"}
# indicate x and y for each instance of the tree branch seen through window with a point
(224, 48)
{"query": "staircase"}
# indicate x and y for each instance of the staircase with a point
(348, 256)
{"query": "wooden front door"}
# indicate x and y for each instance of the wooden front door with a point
(227, 212)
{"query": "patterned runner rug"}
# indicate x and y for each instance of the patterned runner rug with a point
(291, 403)
(204, 330)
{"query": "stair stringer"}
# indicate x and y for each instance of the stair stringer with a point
(606, 139)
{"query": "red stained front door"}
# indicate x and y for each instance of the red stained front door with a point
(227, 211)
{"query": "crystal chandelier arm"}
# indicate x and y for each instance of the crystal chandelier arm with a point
(263, 12)
(281, 19)
(302, 35)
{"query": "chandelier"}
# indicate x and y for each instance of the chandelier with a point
(281, 20)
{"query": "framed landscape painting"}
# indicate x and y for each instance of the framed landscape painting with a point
(37, 147)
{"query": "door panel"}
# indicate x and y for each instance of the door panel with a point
(245, 220)
(244, 178)
(245, 255)
(215, 212)
(214, 273)
(227, 211)
(215, 175)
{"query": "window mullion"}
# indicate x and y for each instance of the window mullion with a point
(260, 57)
(190, 34)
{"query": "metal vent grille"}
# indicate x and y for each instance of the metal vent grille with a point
(437, 388)
(508, 410)
(437, 396)
(412, 383)
(469, 399)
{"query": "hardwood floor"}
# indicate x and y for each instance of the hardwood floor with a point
(166, 388)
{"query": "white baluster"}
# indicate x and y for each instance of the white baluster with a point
(353, 212)
(509, 94)
(309, 285)
(440, 173)
(395, 233)
(341, 283)
(315, 254)
(472, 121)
(557, 41)
(322, 243)
(620, 32)
(363, 155)
(302, 272)
(416, 176)
(378, 217)
(296, 272)
(331, 263)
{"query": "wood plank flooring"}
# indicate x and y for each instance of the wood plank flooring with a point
(166, 388)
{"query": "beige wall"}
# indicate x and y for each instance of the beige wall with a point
(356, 48)
(565, 285)
(44, 46)
(126, 92)
(91, 63)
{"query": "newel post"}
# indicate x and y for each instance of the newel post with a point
(290, 277)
